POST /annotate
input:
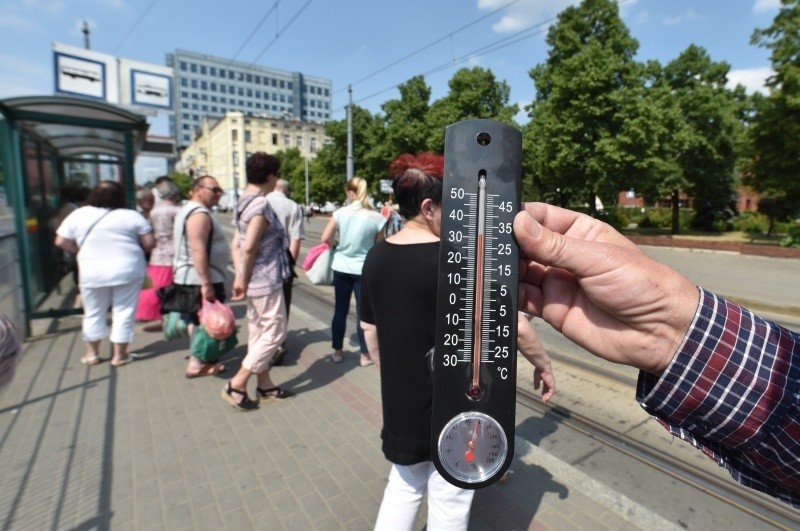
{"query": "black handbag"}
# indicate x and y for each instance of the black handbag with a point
(181, 298)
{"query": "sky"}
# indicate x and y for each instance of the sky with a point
(370, 45)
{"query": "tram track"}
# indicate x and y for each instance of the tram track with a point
(763, 508)
(760, 507)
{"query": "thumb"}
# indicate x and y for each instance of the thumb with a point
(539, 244)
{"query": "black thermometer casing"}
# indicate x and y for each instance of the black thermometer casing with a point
(475, 148)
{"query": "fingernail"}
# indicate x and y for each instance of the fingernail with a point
(533, 227)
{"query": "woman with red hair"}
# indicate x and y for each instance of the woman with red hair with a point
(398, 316)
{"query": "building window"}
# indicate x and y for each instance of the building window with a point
(203, 85)
(221, 72)
(184, 105)
(230, 74)
(249, 78)
(193, 68)
(202, 69)
(241, 91)
(234, 135)
(247, 135)
(212, 70)
(213, 87)
(249, 93)
(213, 98)
(273, 82)
(286, 140)
(313, 146)
(289, 85)
(194, 83)
(299, 140)
(183, 66)
(205, 108)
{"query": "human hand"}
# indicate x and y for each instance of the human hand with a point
(207, 292)
(239, 290)
(600, 290)
(546, 379)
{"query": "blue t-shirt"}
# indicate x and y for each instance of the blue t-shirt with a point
(358, 227)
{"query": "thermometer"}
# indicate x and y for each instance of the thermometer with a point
(474, 377)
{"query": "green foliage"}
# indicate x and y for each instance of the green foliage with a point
(293, 169)
(775, 133)
(661, 218)
(752, 223)
(792, 238)
(474, 93)
(584, 89)
(183, 182)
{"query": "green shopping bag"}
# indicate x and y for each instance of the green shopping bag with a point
(209, 350)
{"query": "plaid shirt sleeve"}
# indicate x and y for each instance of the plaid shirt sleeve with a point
(733, 391)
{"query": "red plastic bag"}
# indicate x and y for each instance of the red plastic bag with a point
(217, 318)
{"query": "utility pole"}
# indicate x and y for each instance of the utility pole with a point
(307, 199)
(86, 35)
(350, 133)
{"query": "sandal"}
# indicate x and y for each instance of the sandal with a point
(273, 393)
(91, 360)
(123, 361)
(245, 405)
(208, 369)
(337, 358)
(366, 362)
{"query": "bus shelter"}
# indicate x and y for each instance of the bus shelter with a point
(49, 145)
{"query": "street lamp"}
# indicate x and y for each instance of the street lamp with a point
(307, 200)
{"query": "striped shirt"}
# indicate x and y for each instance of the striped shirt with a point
(733, 391)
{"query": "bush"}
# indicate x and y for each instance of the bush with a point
(751, 223)
(792, 238)
(661, 218)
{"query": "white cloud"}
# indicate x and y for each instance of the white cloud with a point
(686, 16)
(525, 13)
(752, 79)
(766, 5)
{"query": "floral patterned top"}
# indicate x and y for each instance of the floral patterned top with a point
(271, 265)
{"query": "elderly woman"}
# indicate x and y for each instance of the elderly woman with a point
(162, 219)
(262, 265)
(110, 241)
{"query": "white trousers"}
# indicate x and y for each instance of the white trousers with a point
(448, 506)
(122, 299)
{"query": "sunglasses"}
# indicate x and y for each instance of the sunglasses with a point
(216, 189)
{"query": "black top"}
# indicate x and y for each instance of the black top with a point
(398, 296)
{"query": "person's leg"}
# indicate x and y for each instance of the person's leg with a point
(95, 308)
(342, 288)
(271, 333)
(123, 308)
(365, 358)
(277, 360)
(402, 497)
(448, 505)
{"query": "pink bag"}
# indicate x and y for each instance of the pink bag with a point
(217, 318)
(313, 254)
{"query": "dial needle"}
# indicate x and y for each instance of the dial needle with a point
(469, 455)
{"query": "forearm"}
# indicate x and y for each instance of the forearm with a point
(294, 249)
(734, 398)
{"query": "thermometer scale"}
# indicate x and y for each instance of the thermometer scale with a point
(474, 377)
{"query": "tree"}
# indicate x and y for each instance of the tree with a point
(293, 169)
(583, 95)
(474, 93)
(711, 131)
(774, 169)
(405, 121)
(182, 181)
(328, 172)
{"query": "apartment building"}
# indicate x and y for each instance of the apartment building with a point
(208, 86)
(223, 144)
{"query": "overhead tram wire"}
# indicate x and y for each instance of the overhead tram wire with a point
(255, 30)
(280, 31)
(135, 24)
(431, 44)
(499, 44)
